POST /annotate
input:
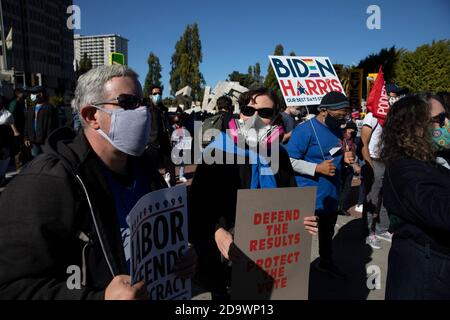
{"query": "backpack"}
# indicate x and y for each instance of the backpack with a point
(208, 132)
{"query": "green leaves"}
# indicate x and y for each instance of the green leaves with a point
(84, 65)
(426, 69)
(186, 61)
(153, 77)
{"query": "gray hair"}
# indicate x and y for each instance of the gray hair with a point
(90, 86)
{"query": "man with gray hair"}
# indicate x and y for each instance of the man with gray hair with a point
(69, 206)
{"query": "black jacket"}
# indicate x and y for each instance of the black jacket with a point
(213, 194)
(46, 123)
(160, 129)
(417, 198)
(58, 210)
(6, 141)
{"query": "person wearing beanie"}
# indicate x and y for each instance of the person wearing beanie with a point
(317, 155)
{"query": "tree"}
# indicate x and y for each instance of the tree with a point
(154, 74)
(244, 79)
(84, 65)
(257, 73)
(425, 69)
(271, 81)
(388, 58)
(249, 79)
(186, 63)
(343, 73)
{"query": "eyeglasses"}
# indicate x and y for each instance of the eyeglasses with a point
(125, 101)
(265, 113)
(155, 93)
(440, 118)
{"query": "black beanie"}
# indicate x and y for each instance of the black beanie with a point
(334, 101)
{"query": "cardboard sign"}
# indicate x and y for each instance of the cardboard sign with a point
(305, 80)
(355, 88)
(273, 247)
(158, 225)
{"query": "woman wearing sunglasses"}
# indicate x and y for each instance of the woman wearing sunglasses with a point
(416, 193)
(214, 187)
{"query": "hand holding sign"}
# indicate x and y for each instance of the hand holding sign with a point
(223, 240)
(121, 289)
(311, 225)
(349, 157)
(326, 168)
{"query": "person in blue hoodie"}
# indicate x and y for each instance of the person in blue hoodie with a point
(317, 155)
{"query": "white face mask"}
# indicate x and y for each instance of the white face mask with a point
(393, 100)
(33, 97)
(254, 130)
(129, 130)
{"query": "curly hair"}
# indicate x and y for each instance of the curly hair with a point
(406, 132)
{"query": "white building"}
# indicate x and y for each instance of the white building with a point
(98, 48)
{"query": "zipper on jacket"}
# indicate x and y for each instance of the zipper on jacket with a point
(95, 224)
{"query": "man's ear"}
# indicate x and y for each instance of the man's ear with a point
(89, 115)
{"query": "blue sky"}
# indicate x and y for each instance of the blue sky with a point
(239, 33)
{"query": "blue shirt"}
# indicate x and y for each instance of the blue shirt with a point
(304, 145)
(125, 198)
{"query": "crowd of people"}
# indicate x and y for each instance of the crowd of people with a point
(69, 205)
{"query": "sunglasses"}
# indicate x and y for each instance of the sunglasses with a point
(440, 118)
(125, 101)
(265, 113)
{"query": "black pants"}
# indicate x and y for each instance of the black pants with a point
(326, 233)
(416, 272)
(346, 186)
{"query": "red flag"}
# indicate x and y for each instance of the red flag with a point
(378, 101)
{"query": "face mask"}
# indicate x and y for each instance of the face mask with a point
(393, 100)
(33, 97)
(334, 123)
(441, 137)
(156, 99)
(255, 131)
(129, 130)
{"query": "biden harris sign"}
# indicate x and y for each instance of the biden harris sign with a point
(305, 80)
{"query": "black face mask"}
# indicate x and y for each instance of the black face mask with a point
(334, 123)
